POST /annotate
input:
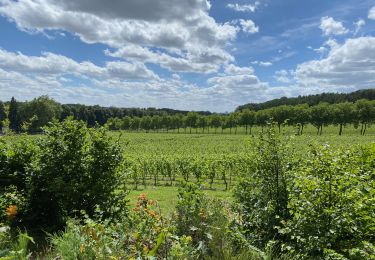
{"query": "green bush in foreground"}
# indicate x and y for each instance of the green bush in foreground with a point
(321, 206)
(70, 169)
(332, 204)
(262, 196)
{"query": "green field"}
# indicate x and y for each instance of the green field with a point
(143, 147)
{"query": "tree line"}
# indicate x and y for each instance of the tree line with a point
(33, 115)
(360, 114)
(312, 100)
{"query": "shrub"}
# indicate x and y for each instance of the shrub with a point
(15, 160)
(75, 169)
(262, 195)
(206, 222)
(332, 205)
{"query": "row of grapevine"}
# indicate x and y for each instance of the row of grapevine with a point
(169, 170)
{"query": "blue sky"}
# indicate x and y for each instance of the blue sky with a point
(194, 55)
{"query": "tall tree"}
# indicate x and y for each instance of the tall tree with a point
(247, 119)
(280, 114)
(366, 110)
(192, 120)
(3, 115)
(39, 112)
(301, 117)
(215, 121)
(13, 116)
(343, 113)
(320, 115)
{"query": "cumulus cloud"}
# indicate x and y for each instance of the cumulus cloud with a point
(371, 13)
(330, 26)
(248, 26)
(358, 25)
(236, 86)
(200, 61)
(53, 64)
(283, 76)
(121, 83)
(350, 65)
(169, 25)
(244, 8)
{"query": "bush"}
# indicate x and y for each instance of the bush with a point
(262, 195)
(15, 160)
(332, 203)
(206, 222)
(75, 169)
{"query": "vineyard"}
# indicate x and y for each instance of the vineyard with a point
(216, 161)
(80, 193)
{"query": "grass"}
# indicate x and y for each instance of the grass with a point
(167, 197)
(139, 144)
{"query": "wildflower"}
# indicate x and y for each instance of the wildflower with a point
(143, 196)
(82, 249)
(11, 211)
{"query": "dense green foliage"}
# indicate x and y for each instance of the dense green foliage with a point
(332, 204)
(263, 194)
(320, 206)
(14, 116)
(49, 179)
(311, 100)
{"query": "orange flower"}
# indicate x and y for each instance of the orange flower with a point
(12, 211)
(143, 196)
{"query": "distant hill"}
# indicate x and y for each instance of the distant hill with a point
(331, 98)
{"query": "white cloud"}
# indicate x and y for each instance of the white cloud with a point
(262, 63)
(331, 27)
(57, 65)
(371, 13)
(237, 86)
(172, 26)
(232, 69)
(283, 76)
(358, 25)
(244, 8)
(321, 50)
(347, 66)
(128, 84)
(201, 61)
(248, 26)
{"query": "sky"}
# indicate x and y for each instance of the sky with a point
(184, 54)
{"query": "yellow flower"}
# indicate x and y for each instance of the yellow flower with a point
(82, 249)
